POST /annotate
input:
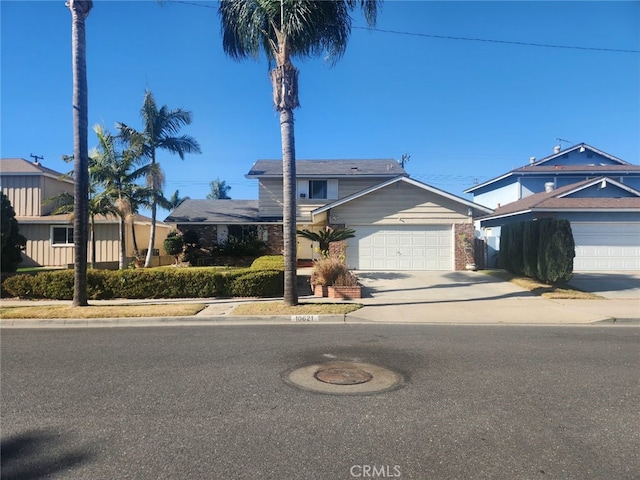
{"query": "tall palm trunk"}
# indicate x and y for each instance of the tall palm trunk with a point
(154, 212)
(93, 241)
(123, 247)
(285, 98)
(79, 12)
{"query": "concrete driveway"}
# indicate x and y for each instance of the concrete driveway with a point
(613, 285)
(477, 298)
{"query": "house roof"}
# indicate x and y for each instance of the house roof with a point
(408, 180)
(67, 219)
(560, 199)
(20, 166)
(542, 166)
(216, 212)
(329, 168)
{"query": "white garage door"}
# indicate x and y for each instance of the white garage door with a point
(416, 247)
(606, 246)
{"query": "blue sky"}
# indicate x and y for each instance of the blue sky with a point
(465, 110)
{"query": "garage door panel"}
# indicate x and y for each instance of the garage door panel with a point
(418, 247)
(606, 246)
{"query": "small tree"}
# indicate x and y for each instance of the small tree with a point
(174, 245)
(219, 190)
(326, 237)
(13, 243)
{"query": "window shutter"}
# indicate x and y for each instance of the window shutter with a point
(303, 189)
(332, 189)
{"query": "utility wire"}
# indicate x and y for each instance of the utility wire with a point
(508, 42)
(466, 39)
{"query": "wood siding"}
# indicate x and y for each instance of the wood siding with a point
(400, 204)
(271, 197)
(24, 194)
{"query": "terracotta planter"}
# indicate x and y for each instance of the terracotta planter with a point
(320, 290)
(345, 292)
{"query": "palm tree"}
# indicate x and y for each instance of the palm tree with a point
(283, 29)
(79, 11)
(160, 132)
(117, 171)
(219, 190)
(326, 237)
(174, 201)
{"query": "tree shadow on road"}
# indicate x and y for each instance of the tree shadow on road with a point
(38, 454)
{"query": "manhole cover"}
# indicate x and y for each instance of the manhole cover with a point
(343, 376)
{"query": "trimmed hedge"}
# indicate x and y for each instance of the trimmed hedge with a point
(149, 283)
(269, 262)
(543, 249)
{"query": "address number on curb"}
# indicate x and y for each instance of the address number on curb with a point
(305, 318)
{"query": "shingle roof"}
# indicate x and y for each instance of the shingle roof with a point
(216, 211)
(324, 168)
(22, 166)
(556, 200)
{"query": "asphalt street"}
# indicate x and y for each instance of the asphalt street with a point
(213, 402)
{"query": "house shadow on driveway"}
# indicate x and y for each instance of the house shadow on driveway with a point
(608, 284)
(435, 287)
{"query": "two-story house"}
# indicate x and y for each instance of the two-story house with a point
(400, 223)
(597, 192)
(29, 185)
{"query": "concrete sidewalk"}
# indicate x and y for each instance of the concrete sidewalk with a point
(391, 297)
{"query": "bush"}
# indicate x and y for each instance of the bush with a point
(268, 262)
(251, 246)
(327, 270)
(543, 249)
(12, 242)
(556, 251)
(149, 283)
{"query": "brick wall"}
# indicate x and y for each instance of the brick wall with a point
(208, 234)
(460, 259)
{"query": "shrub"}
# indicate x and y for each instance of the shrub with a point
(12, 242)
(346, 280)
(268, 262)
(149, 283)
(556, 250)
(174, 245)
(250, 246)
(327, 270)
(266, 283)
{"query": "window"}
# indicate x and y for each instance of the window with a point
(317, 189)
(62, 235)
(243, 232)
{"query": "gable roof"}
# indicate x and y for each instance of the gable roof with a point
(562, 199)
(408, 180)
(20, 166)
(581, 147)
(329, 168)
(542, 166)
(216, 212)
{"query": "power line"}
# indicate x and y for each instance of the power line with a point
(466, 39)
(507, 42)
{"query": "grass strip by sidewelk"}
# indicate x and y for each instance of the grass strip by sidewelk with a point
(278, 308)
(101, 311)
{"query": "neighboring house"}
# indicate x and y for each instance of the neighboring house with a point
(400, 223)
(50, 237)
(595, 191)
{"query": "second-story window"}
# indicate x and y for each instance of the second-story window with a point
(317, 189)
(62, 235)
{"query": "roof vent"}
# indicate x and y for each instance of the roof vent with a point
(532, 160)
(354, 170)
(557, 149)
(549, 186)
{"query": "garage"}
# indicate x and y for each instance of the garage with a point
(606, 246)
(414, 247)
